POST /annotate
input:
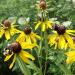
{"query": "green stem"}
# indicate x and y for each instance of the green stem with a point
(40, 54)
(40, 49)
(46, 47)
(72, 4)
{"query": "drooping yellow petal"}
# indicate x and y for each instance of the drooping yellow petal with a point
(37, 25)
(14, 31)
(27, 55)
(34, 40)
(1, 32)
(70, 53)
(66, 46)
(72, 34)
(70, 57)
(7, 34)
(35, 35)
(70, 60)
(21, 38)
(52, 38)
(49, 24)
(61, 42)
(25, 59)
(69, 40)
(14, 59)
(8, 57)
(70, 31)
(28, 39)
(43, 26)
(26, 45)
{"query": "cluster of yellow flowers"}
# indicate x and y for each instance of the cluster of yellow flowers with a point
(60, 37)
(25, 40)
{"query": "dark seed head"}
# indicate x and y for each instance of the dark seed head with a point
(15, 47)
(42, 4)
(27, 30)
(60, 29)
(6, 23)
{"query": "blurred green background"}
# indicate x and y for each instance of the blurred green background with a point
(64, 9)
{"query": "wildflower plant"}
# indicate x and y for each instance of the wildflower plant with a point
(61, 37)
(38, 45)
(43, 21)
(8, 29)
(28, 36)
(14, 49)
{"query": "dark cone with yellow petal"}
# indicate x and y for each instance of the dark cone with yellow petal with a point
(60, 29)
(27, 30)
(6, 23)
(42, 4)
(15, 47)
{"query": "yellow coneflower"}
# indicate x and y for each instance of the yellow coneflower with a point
(28, 36)
(70, 56)
(12, 50)
(44, 24)
(61, 37)
(8, 29)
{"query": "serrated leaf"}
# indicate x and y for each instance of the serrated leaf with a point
(33, 66)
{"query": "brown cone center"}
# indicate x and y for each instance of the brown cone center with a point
(6, 23)
(42, 4)
(27, 30)
(60, 29)
(15, 47)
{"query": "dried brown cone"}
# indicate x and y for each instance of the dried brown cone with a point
(27, 30)
(6, 23)
(60, 29)
(15, 47)
(42, 4)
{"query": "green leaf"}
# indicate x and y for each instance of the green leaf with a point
(23, 66)
(33, 66)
